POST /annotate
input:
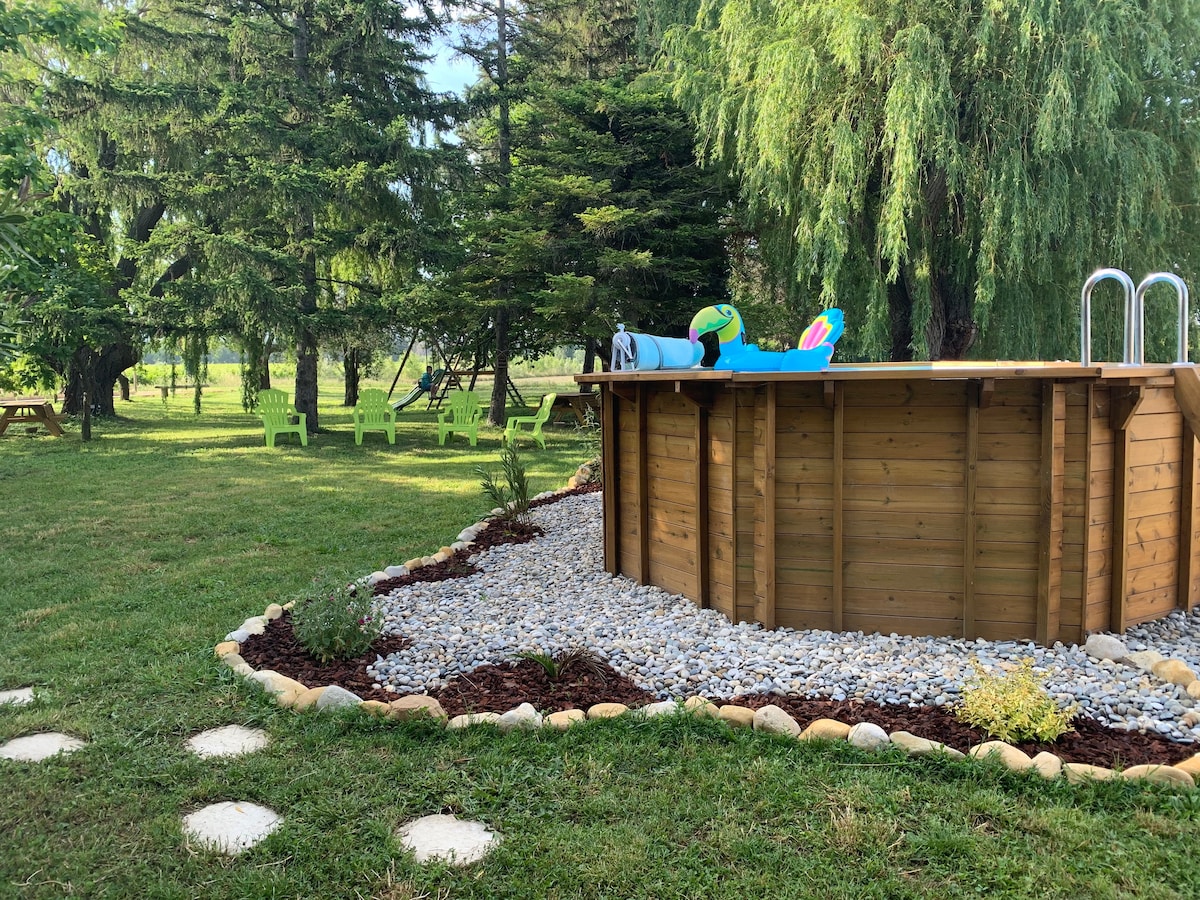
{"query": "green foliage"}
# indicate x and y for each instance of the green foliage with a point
(948, 173)
(511, 496)
(591, 437)
(336, 620)
(1013, 706)
(558, 665)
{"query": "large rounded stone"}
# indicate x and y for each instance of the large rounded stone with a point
(226, 647)
(771, 719)
(274, 683)
(228, 740)
(1077, 773)
(1145, 659)
(417, 706)
(564, 719)
(1105, 646)
(335, 697)
(36, 747)
(1168, 775)
(737, 716)
(469, 719)
(308, 699)
(447, 838)
(868, 736)
(524, 717)
(826, 730)
(1005, 753)
(1175, 671)
(1047, 765)
(254, 625)
(16, 697)
(606, 710)
(919, 746)
(701, 706)
(661, 708)
(230, 827)
(273, 612)
(376, 708)
(1191, 765)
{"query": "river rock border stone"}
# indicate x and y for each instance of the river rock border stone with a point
(291, 694)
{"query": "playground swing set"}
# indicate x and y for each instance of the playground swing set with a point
(449, 377)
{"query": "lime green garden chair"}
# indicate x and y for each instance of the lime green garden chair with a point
(514, 424)
(462, 414)
(277, 413)
(373, 412)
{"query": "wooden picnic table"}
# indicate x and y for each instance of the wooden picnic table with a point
(576, 403)
(36, 409)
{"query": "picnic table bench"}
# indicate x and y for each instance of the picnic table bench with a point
(576, 404)
(29, 409)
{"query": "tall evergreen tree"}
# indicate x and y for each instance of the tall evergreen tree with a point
(236, 150)
(603, 214)
(950, 173)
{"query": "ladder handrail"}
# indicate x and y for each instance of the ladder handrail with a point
(1085, 314)
(1139, 302)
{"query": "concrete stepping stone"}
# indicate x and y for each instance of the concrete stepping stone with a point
(229, 740)
(447, 838)
(230, 827)
(16, 697)
(36, 747)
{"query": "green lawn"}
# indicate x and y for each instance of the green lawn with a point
(126, 559)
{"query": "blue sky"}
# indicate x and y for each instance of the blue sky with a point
(446, 73)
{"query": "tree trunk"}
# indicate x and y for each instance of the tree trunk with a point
(306, 340)
(123, 383)
(105, 367)
(952, 329)
(352, 376)
(498, 410)
(589, 364)
(900, 315)
(306, 376)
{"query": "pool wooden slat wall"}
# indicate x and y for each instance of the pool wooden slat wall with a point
(1015, 504)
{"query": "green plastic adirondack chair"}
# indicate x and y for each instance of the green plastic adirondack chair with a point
(374, 413)
(512, 427)
(463, 414)
(277, 412)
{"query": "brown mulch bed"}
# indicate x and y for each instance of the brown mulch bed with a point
(501, 687)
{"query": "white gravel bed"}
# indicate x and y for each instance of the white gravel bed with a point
(553, 594)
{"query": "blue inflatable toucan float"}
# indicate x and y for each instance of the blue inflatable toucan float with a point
(813, 354)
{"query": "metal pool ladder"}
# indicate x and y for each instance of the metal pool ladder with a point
(1134, 343)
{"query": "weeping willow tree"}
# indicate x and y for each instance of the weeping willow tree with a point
(950, 173)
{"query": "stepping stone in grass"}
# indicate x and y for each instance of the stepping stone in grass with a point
(229, 740)
(230, 827)
(36, 747)
(16, 697)
(447, 838)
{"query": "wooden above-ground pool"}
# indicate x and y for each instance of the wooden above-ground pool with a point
(1001, 500)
